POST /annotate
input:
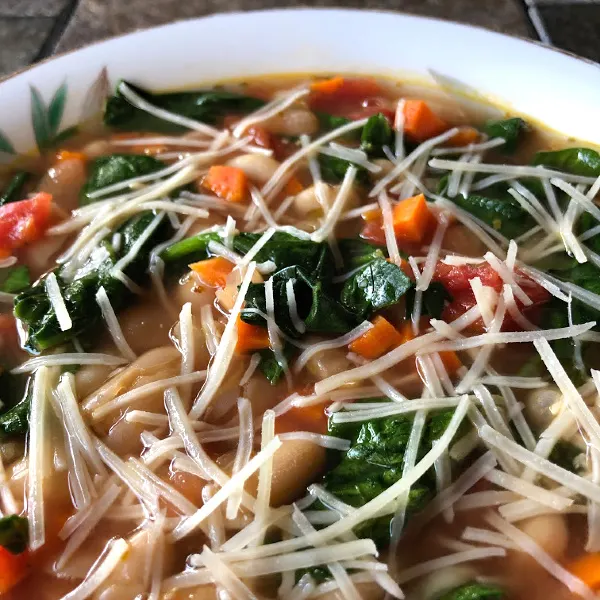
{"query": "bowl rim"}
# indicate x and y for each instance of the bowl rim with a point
(238, 13)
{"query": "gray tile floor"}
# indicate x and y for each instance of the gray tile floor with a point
(34, 29)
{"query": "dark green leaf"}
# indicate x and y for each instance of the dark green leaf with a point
(376, 134)
(474, 591)
(329, 122)
(433, 301)
(511, 130)
(357, 253)
(564, 454)
(15, 421)
(34, 309)
(191, 249)
(108, 170)
(14, 533)
(579, 161)
(333, 170)
(379, 285)
(206, 106)
(270, 367)
(16, 279)
(14, 190)
(284, 249)
(503, 214)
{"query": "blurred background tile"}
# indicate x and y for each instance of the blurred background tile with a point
(22, 39)
(32, 8)
(573, 26)
(97, 19)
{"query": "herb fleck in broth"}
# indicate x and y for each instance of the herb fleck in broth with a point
(305, 287)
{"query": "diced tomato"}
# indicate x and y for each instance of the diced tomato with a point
(354, 98)
(259, 136)
(456, 279)
(23, 222)
(303, 418)
(13, 568)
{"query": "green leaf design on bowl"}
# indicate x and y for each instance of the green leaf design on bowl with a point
(46, 120)
(5, 145)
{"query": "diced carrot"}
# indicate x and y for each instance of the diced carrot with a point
(13, 568)
(412, 219)
(327, 86)
(70, 155)
(251, 337)
(229, 183)
(375, 342)
(293, 187)
(464, 136)
(371, 215)
(303, 418)
(587, 568)
(406, 332)
(420, 122)
(213, 272)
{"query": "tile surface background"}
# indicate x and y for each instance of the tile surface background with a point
(34, 29)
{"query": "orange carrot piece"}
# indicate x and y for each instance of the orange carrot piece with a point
(229, 183)
(70, 155)
(587, 568)
(420, 122)
(327, 86)
(375, 342)
(213, 272)
(450, 361)
(13, 568)
(371, 215)
(251, 337)
(412, 219)
(293, 187)
(303, 418)
(464, 136)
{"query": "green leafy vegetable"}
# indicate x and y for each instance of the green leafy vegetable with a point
(33, 306)
(15, 421)
(357, 253)
(14, 533)
(376, 134)
(475, 591)
(206, 106)
(333, 169)
(564, 454)
(270, 367)
(503, 214)
(433, 302)
(579, 161)
(329, 122)
(16, 279)
(511, 130)
(14, 190)
(190, 249)
(378, 285)
(284, 249)
(108, 170)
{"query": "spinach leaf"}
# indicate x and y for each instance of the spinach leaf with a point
(207, 106)
(564, 454)
(108, 170)
(433, 301)
(284, 249)
(357, 253)
(326, 315)
(474, 591)
(378, 285)
(15, 421)
(14, 190)
(16, 280)
(375, 461)
(329, 122)
(333, 170)
(503, 214)
(511, 130)
(33, 306)
(579, 161)
(320, 312)
(376, 134)
(14, 533)
(270, 367)
(190, 249)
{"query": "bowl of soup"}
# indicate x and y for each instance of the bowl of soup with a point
(286, 314)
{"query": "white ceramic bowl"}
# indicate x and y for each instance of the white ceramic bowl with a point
(555, 88)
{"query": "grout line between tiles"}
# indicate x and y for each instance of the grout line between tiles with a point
(56, 31)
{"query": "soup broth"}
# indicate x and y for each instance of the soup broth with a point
(328, 337)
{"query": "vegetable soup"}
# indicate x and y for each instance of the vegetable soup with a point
(328, 337)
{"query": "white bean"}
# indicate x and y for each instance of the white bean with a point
(293, 122)
(542, 406)
(258, 168)
(548, 531)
